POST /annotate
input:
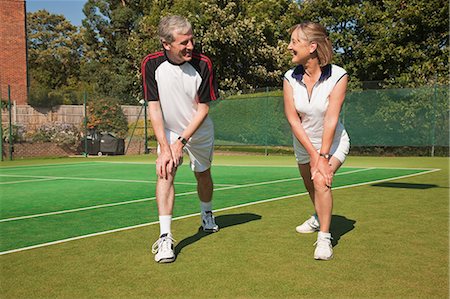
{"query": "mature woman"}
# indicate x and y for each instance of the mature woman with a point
(314, 91)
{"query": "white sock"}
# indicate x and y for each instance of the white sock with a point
(317, 217)
(165, 222)
(206, 206)
(322, 235)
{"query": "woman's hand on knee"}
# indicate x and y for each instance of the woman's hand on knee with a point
(320, 183)
(324, 170)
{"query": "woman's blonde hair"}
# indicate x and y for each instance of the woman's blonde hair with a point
(171, 24)
(314, 32)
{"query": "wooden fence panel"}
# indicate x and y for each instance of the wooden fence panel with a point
(31, 118)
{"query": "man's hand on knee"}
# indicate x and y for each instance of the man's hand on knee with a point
(164, 164)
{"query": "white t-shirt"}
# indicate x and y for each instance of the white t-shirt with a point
(179, 88)
(312, 108)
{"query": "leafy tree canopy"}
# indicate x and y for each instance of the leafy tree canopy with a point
(54, 57)
(397, 42)
(106, 115)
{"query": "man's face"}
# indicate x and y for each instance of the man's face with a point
(180, 50)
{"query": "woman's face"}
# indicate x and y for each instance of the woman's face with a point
(299, 48)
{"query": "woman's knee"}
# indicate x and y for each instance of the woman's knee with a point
(320, 184)
(309, 185)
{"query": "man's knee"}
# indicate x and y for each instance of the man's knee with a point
(204, 176)
(167, 180)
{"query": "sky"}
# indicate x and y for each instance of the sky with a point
(71, 9)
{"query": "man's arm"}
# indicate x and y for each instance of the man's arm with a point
(199, 117)
(164, 162)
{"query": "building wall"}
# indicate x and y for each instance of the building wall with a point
(13, 55)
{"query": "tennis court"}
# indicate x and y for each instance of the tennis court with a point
(53, 203)
(83, 228)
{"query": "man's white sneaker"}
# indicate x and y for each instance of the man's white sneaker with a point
(324, 249)
(208, 222)
(309, 226)
(163, 249)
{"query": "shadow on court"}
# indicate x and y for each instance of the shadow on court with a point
(223, 221)
(340, 225)
(405, 185)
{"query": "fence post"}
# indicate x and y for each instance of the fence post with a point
(266, 121)
(10, 125)
(132, 132)
(433, 130)
(85, 124)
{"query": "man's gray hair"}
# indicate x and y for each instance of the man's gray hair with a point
(170, 25)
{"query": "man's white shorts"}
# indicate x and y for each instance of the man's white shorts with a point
(199, 148)
(339, 149)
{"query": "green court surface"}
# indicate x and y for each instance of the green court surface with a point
(49, 203)
(83, 228)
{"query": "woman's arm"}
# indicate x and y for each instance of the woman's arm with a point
(295, 122)
(336, 99)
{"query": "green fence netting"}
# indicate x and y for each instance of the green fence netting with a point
(384, 117)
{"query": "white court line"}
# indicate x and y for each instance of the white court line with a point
(196, 214)
(403, 168)
(22, 167)
(47, 178)
(213, 165)
(124, 162)
(88, 208)
(287, 180)
(271, 166)
(152, 198)
(25, 181)
(95, 179)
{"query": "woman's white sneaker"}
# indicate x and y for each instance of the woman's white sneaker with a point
(324, 249)
(309, 226)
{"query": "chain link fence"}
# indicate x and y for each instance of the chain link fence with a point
(416, 118)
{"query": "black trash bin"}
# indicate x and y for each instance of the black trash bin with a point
(111, 145)
(93, 143)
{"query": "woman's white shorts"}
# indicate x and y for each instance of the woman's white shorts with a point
(339, 149)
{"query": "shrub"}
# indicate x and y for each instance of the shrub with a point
(18, 133)
(44, 97)
(139, 129)
(64, 135)
(106, 115)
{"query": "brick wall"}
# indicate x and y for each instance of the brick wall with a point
(31, 118)
(13, 60)
(48, 149)
(45, 149)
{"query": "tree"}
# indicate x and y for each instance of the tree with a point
(402, 43)
(244, 57)
(109, 66)
(106, 115)
(246, 45)
(54, 53)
